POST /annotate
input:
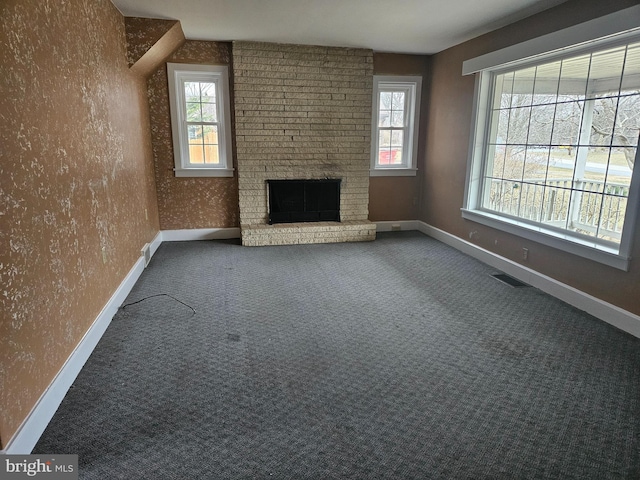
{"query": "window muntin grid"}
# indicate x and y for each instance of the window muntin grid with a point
(394, 126)
(562, 141)
(201, 118)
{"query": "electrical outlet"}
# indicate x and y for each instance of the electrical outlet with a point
(104, 254)
(525, 254)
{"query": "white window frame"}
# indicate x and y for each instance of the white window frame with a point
(618, 27)
(412, 86)
(178, 74)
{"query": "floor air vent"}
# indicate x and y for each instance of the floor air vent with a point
(509, 280)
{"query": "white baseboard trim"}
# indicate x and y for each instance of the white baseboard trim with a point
(396, 226)
(200, 234)
(29, 432)
(31, 429)
(155, 243)
(605, 311)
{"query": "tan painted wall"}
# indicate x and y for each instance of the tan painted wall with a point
(398, 198)
(448, 127)
(189, 202)
(393, 198)
(76, 175)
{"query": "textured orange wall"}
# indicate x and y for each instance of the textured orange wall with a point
(448, 130)
(397, 198)
(76, 176)
(143, 34)
(204, 202)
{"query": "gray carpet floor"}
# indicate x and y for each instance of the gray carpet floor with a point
(400, 358)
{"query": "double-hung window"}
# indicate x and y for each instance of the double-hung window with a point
(555, 148)
(200, 120)
(396, 108)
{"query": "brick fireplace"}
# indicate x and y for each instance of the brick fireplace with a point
(302, 112)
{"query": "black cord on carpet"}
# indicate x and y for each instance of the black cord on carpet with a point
(160, 295)
(300, 367)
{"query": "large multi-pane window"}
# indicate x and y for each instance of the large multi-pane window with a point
(560, 143)
(394, 125)
(200, 115)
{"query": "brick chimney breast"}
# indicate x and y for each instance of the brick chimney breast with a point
(302, 112)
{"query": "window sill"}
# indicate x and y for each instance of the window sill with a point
(203, 172)
(393, 172)
(565, 242)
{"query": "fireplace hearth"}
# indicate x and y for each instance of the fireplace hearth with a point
(292, 201)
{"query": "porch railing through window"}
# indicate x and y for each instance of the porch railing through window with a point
(590, 207)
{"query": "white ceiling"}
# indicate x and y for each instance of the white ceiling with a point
(403, 26)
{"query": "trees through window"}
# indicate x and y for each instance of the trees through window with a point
(200, 119)
(560, 143)
(394, 125)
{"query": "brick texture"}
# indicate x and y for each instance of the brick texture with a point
(302, 112)
(299, 233)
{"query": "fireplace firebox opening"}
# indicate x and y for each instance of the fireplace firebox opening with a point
(304, 201)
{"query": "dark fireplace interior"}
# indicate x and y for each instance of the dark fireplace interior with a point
(304, 201)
